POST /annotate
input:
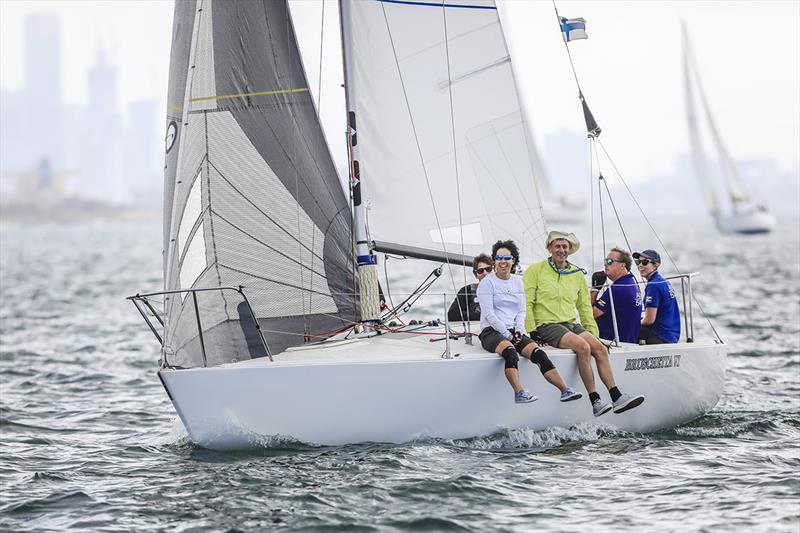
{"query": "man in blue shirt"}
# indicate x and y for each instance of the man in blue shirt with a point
(662, 320)
(622, 296)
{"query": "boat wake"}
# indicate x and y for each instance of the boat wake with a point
(525, 439)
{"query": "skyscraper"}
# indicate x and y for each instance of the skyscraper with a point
(42, 48)
(102, 162)
(140, 151)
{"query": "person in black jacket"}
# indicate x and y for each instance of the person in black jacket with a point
(465, 306)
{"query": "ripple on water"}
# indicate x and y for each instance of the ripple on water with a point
(89, 440)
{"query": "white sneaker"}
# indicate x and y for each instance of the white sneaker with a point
(524, 396)
(626, 402)
(600, 408)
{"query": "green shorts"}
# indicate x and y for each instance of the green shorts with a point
(552, 333)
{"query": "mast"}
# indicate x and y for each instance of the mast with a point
(698, 160)
(365, 259)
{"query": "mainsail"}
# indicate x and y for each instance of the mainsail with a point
(444, 152)
(733, 181)
(252, 195)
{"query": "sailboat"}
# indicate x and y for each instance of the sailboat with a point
(270, 322)
(745, 215)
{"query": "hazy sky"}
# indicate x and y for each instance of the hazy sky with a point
(630, 67)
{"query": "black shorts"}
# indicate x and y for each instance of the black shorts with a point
(491, 339)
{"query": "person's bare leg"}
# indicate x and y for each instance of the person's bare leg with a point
(582, 350)
(512, 374)
(600, 353)
(552, 375)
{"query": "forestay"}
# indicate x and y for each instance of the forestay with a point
(252, 197)
(445, 154)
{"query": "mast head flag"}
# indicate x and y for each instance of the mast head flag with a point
(572, 29)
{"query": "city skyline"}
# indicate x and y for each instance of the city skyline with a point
(646, 145)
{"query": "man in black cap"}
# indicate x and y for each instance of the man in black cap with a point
(662, 320)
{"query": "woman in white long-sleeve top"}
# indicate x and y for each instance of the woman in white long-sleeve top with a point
(502, 299)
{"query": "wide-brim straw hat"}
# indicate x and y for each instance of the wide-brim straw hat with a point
(574, 243)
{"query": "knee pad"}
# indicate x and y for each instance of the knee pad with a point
(539, 357)
(511, 357)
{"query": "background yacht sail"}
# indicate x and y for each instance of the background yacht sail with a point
(444, 150)
(733, 182)
(698, 156)
(254, 196)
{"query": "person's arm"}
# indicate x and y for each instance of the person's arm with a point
(585, 308)
(651, 301)
(598, 305)
(486, 301)
(530, 281)
(473, 305)
(649, 316)
(598, 280)
(457, 312)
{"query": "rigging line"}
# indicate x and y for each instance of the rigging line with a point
(321, 43)
(566, 46)
(419, 148)
(616, 214)
(386, 276)
(602, 217)
(591, 196)
(268, 280)
(455, 149)
(277, 138)
(421, 288)
(319, 114)
(297, 195)
(655, 233)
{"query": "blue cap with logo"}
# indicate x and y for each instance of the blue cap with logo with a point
(652, 255)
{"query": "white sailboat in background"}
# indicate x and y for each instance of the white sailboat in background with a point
(263, 254)
(745, 215)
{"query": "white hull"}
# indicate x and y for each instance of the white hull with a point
(747, 223)
(397, 388)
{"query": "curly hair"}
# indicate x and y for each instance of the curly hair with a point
(510, 246)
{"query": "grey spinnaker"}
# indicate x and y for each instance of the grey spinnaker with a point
(256, 200)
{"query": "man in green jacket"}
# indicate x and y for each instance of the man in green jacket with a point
(554, 290)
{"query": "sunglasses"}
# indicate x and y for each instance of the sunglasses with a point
(503, 257)
(643, 262)
(610, 261)
(484, 270)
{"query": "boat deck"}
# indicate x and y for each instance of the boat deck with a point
(419, 344)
